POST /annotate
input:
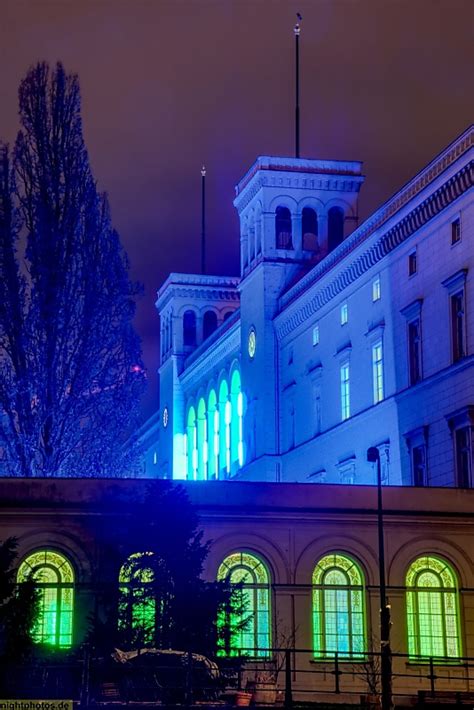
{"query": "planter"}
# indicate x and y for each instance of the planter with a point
(370, 701)
(264, 692)
(243, 699)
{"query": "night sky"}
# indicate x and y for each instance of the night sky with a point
(169, 85)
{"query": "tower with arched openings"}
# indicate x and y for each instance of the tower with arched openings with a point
(293, 212)
(194, 310)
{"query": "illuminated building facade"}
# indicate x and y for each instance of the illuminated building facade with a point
(273, 386)
(306, 555)
(335, 338)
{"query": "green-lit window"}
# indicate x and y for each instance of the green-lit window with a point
(137, 604)
(432, 609)
(202, 447)
(338, 608)
(191, 444)
(213, 435)
(246, 569)
(236, 422)
(54, 577)
(224, 409)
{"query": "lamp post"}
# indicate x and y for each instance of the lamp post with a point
(373, 455)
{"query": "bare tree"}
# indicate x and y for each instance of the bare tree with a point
(70, 363)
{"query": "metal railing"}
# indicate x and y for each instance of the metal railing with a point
(282, 676)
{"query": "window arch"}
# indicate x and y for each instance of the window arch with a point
(283, 233)
(213, 435)
(209, 323)
(335, 227)
(225, 416)
(202, 445)
(191, 444)
(237, 413)
(189, 328)
(54, 577)
(338, 607)
(309, 224)
(249, 571)
(137, 604)
(432, 609)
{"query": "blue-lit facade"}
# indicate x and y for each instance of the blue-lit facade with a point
(334, 338)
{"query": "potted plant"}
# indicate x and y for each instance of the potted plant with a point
(264, 685)
(369, 671)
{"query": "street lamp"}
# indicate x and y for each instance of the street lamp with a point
(373, 456)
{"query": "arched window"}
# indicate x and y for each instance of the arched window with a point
(202, 445)
(338, 607)
(236, 446)
(255, 636)
(54, 578)
(225, 416)
(432, 609)
(213, 435)
(335, 227)
(189, 328)
(228, 314)
(209, 323)
(309, 226)
(283, 236)
(137, 605)
(191, 444)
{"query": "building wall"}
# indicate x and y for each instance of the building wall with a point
(289, 527)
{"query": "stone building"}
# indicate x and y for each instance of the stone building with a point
(311, 560)
(336, 338)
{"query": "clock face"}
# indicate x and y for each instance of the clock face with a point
(252, 343)
(166, 417)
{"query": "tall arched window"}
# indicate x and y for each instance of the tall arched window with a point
(236, 446)
(335, 227)
(209, 323)
(189, 328)
(137, 605)
(255, 636)
(338, 607)
(191, 444)
(213, 435)
(202, 443)
(283, 235)
(432, 609)
(309, 224)
(54, 578)
(225, 416)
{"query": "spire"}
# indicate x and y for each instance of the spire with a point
(203, 220)
(297, 30)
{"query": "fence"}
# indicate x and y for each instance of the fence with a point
(286, 677)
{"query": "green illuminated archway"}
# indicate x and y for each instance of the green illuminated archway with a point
(338, 607)
(255, 637)
(202, 445)
(191, 444)
(54, 576)
(237, 413)
(137, 604)
(225, 416)
(213, 435)
(432, 609)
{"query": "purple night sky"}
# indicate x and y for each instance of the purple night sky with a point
(170, 84)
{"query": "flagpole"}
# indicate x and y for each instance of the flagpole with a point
(203, 220)
(297, 31)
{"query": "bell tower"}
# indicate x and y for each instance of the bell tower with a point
(292, 212)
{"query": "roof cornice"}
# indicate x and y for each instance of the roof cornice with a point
(298, 313)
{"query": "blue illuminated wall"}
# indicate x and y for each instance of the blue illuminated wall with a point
(335, 338)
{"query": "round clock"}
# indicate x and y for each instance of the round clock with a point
(252, 343)
(166, 417)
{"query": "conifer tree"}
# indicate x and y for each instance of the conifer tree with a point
(70, 363)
